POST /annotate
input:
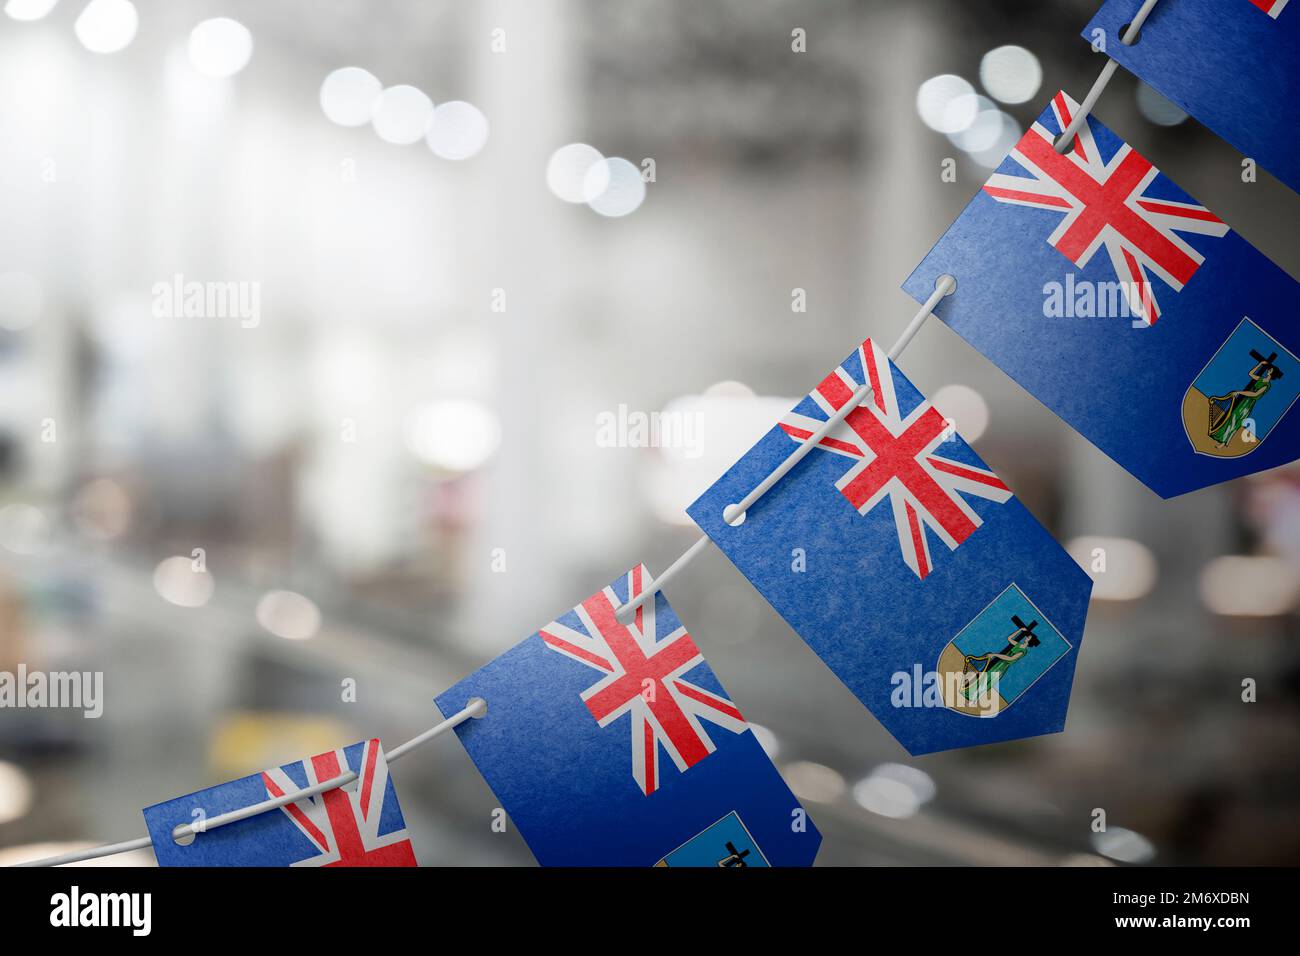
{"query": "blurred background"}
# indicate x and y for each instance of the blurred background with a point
(443, 249)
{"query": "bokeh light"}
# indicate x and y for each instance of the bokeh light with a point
(965, 408)
(459, 130)
(106, 26)
(24, 528)
(178, 580)
(15, 792)
(814, 782)
(348, 96)
(220, 47)
(983, 130)
(1249, 586)
(1011, 74)
(567, 173)
(947, 103)
(894, 790)
(453, 434)
(402, 115)
(726, 420)
(29, 9)
(1130, 569)
(624, 189)
(1127, 846)
(1008, 134)
(289, 614)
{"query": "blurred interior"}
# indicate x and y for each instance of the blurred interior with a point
(395, 472)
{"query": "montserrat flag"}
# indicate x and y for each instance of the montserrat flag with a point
(1232, 64)
(1126, 307)
(906, 563)
(608, 741)
(358, 823)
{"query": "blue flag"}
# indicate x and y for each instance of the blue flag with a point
(907, 565)
(1232, 64)
(359, 824)
(1126, 307)
(614, 745)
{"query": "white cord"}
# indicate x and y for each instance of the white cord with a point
(943, 286)
(654, 586)
(475, 708)
(732, 514)
(735, 514)
(1107, 71)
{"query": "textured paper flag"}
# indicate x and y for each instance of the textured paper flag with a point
(907, 565)
(614, 745)
(1232, 64)
(1125, 307)
(359, 824)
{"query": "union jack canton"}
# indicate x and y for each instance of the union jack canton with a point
(644, 677)
(897, 457)
(357, 824)
(1120, 345)
(570, 707)
(823, 546)
(343, 824)
(1106, 203)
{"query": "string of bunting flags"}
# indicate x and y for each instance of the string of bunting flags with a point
(970, 629)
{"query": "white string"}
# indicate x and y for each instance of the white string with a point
(475, 708)
(732, 514)
(735, 514)
(1107, 71)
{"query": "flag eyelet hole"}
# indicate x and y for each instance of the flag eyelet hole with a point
(182, 834)
(1123, 31)
(951, 279)
(733, 516)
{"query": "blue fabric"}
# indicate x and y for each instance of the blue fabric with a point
(272, 838)
(839, 579)
(567, 783)
(1226, 62)
(1123, 386)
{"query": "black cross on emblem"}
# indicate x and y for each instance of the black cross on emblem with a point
(1026, 630)
(1268, 363)
(734, 857)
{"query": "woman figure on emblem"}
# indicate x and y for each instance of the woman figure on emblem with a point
(980, 680)
(1228, 412)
